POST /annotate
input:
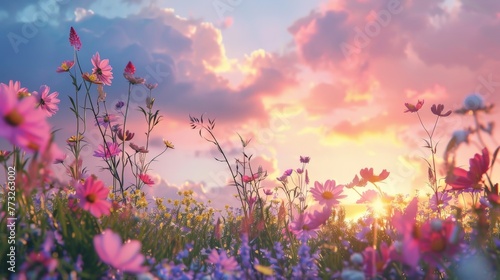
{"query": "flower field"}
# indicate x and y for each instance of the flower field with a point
(103, 225)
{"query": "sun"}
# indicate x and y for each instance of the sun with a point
(378, 207)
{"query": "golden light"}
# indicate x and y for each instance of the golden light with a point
(378, 207)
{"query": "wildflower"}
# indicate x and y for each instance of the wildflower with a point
(304, 159)
(356, 182)
(151, 86)
(127, 136)
(461, 179)
(66, 65)
(306, 225)
(125, 257)
(493, 195)
(248, 179)
(327, 193)
(288, 172)
(17, 89)
(474, 102)
(129, 69)
(138, 149)
(268, 192)
(74, 39)
(414, 108)
(438, 110)
(111, 149)
(439, 201)
(367, 174)
(91, 78)
(106, 119)
(119, 105)
(382, 259)
(20, 122)
(74, 139)
(221, 261)
(438, 239)
(4, 155)
(92, 194)
(134, 80)
(47, 101)
(168, 144)
(102, 69)
(407, 249)
(368, 197)
(146, 179)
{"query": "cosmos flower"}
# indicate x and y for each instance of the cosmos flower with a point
(138, 149)
(307, 224)
(48, 102)
(438, 110)
(74, 39)
(65, 66)
(106, 119)
(439, 201)
(406, 249)
(222, 261)
(327, 193)
(113, 149)
(356, 182)
(146, 179)
(102, 69)
(119, 105)
(368, 196)
(89, 77)
(151, 86)
(92, 194)
(461, 179)
(438, 239)
(304, 159)
(414, 108)
(168, 144)
(367, 174)
(126, 257)
(129, 69)
(127, 136)
(248, 179)
(20, 121)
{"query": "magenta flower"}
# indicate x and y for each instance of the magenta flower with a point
(146, 179)
(288, 172)
(307, 224)
(439, 201)
(20, 122)
(438, 239)
(414, 108)
(221, 260)
(248, 179)
(304, 159)
(125, 257)
(461, 179)
(47, 101)
(65, 66)
(129, 69)
(106, 119)
(138, 149)
(93, 195)
(74, 39)
(112, 149)
(382, 259)
(327, 193)
(102, 69)
(405, 225)
(268, 192)
(438, 110)
(127, 136)
(367, 174)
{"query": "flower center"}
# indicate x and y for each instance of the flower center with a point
(327, 195)
(438, 243)
(14, 118)
(91, 197)
(98, 71)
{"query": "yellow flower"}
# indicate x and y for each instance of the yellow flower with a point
(167, 215)
(168, 144)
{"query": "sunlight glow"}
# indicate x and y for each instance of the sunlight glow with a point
(378, 207)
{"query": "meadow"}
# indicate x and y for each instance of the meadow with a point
(86, 227)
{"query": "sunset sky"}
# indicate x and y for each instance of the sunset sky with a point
(318, 78)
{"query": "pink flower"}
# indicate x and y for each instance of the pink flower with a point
(414, 108)
(146, 179)
(461, 179)
(47, 101)
(106, 119)
(151, 86)
(20, 122)
(439, 201)
(127, 136)
(65, 66)
(125, 257)
(438, 110)
(367, 174)
(268, 192)
(74, 39)
(222, 261)
(328, 193)
(134, 80)
(92, 195)
(138, 149)
(112, 149)
(307, 224)
(405, 225)
(129, 69)
(248, 179)
(16, 87)
(382, 259)
(368, 196)
(102, 69)
(438, 239)
(356, 182)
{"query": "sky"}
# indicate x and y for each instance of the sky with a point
(321, 78)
